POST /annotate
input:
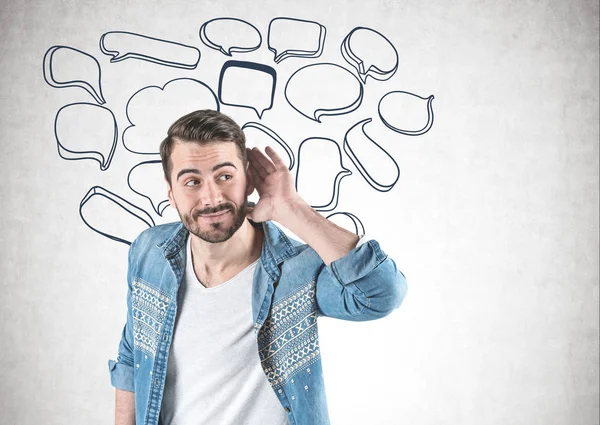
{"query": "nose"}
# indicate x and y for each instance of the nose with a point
(210, 194)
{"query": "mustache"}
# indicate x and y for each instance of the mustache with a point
(212, 210)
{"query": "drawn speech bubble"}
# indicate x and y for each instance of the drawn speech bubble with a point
(377, 166)
(248, 85)
(230, 35)
(320, 171)
(113, 216)
(370, 53)
(323, 89)
(290, 37)
(151, 111)
(86, 131)
(147, 179)
(406, 113)
(260, 136)
(68, 67)
(121, 45)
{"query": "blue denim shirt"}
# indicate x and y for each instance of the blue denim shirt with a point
(291, 287)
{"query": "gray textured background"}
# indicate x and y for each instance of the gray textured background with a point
(494, 219)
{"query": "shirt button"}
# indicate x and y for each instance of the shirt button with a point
(287, 409)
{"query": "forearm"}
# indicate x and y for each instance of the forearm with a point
(124, 408)
(329, 240)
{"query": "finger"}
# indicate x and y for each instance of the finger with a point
(262, 160)
(275, 158)
(257, 171)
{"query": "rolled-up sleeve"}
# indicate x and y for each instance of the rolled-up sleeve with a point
(121, 371)
(365, 284)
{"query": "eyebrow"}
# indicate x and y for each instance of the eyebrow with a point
(196, 171)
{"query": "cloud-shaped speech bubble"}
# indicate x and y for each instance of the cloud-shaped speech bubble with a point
(377, 166)
(323, 89)
(247, 84)
(406, 113)
(68, 67)
(112, 216)
(261, 136)
(147, 179)
(230, 35)
(290, 37)
(86, 131)
(370, 53)
(320, 171)
(348, 221)
(121, 45)
(151, 111)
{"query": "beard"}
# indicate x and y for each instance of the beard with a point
(217, 231)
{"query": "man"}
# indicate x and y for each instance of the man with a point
(221, 308)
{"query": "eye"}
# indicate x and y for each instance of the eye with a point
(227, 177)
(191, 182)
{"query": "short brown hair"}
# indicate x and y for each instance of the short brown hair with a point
(203, 126)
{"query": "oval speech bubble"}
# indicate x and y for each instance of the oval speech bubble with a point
(68, 67)
(370, 53)
(377, 166)
(261, 136)
(230, 35)
(323, 89)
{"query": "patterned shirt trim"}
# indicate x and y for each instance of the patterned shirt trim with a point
(289, 341)
(149, 308)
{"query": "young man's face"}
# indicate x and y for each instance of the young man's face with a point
(209, 188)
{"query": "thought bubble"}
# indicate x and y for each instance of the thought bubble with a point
(348, 221)
(152, 110)
(290, 37)
(260, 136)
(406, 113)
(248, 85)
(121, 45)
(320, 171)
(147, 179)
(86, 131)
(68, 67)
(230, 35)
(377, 166)
(370, 53)
(323, 89)
(112, 216)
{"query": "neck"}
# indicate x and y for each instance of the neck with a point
(216, 259)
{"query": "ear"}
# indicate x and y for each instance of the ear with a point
(249, 180)
(170, 194)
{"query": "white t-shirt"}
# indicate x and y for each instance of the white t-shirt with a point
(214, 374)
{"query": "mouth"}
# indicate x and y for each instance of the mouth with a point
(214, 216)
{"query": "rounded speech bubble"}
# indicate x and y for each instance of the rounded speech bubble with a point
(261, 136)
(147, 179)
(406, 113)
(121, 45)
(377, 166)
(323, 89)
(320, 171)
(230, 35)
(370, 53)
(86, 131)
(289, 37)
(248, 85)
(68, 67)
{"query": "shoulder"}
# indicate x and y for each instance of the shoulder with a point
(156, 236)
